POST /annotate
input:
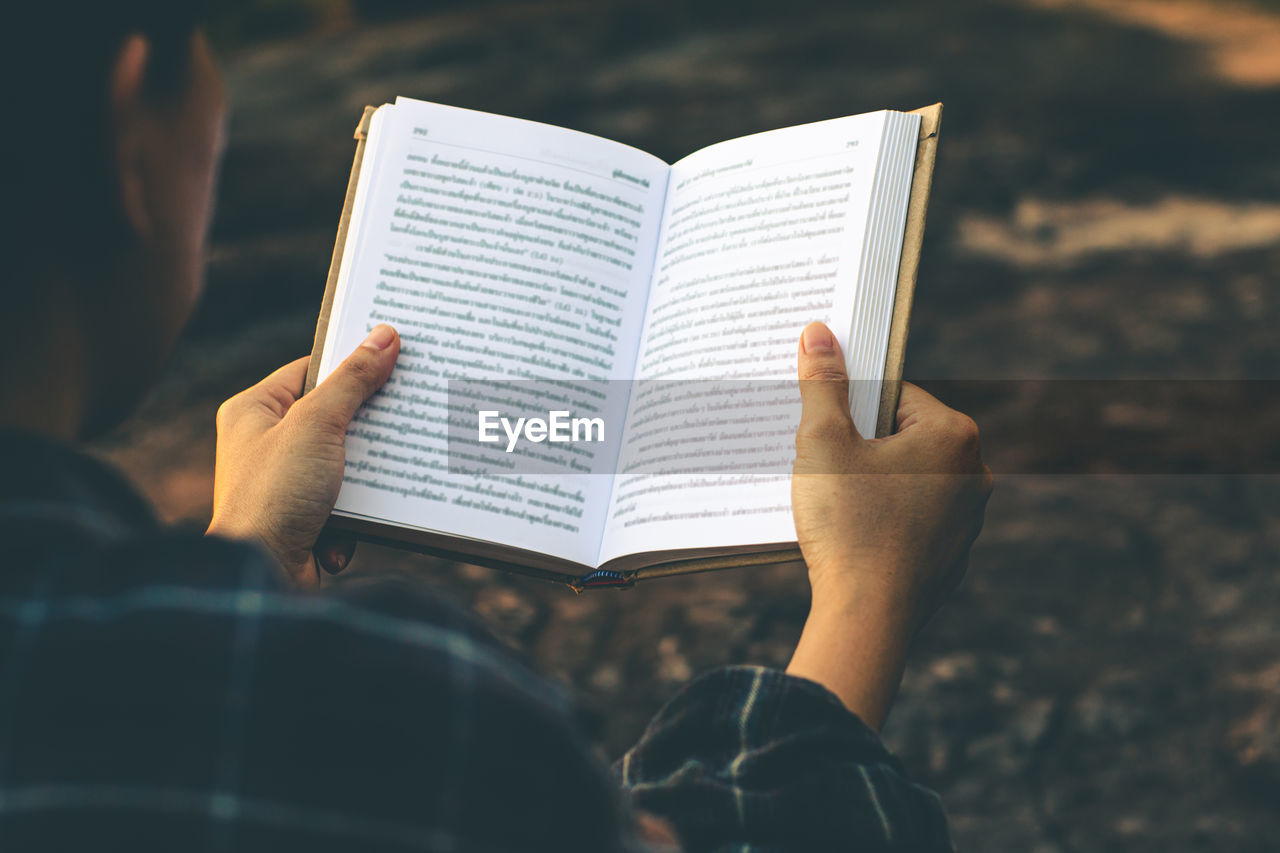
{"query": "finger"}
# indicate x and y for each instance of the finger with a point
(282, 388)
(289, 378)
(344, 390)
(334, 550)
(824, 382)
(916, 406)
(951, 437)
(266, 402)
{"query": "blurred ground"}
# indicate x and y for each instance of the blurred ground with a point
(1107, 205)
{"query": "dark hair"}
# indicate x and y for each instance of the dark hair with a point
(56, 59)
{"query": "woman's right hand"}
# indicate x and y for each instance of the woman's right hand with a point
(885, 526)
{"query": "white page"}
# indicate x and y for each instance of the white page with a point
(463, 278)
(761, 235)
(868, 344)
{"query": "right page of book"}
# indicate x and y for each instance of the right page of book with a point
(760, 236)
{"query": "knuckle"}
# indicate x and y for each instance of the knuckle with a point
(824, 371)
(228, 411)
(363, 370)
(825, 429)
(963, 430)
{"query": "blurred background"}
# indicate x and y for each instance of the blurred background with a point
(1106, 207)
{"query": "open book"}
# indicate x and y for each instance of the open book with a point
(508, 251)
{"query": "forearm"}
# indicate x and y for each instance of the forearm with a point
(855, 646)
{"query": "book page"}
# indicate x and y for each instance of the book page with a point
(499, 249)
(761, 236)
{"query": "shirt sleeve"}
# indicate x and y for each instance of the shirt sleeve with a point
(749, 757)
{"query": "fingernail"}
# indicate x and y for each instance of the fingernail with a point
(817, 338)
(380, 338)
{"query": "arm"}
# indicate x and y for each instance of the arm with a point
(749, 755)
(885, 526)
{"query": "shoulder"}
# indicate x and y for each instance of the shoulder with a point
(178, 662)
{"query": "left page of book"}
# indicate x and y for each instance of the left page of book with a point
(500, 249)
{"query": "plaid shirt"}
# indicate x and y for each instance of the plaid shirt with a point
(160, 690)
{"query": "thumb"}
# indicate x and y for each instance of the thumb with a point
(826, 435)
(363, 372)
(824, 382)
